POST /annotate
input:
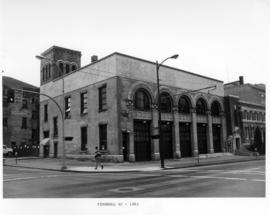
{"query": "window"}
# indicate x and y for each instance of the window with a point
(24, 103)
(34, 114)
(55, 127)
(46, 69)
(103, 136)
(141, 100)
(68, 107)
(49, 75)
(235, 112)
(184, 105)
(61, 67)
(201, 107)
(215, 108)
(46, 113)
(165, 103)
(46, 134)
(67, 68)
(73, 68)
(84, 103)
(5, 121)
(24, 123)
(102, 98)
(43, 74)
(83, 138)
(34, 134)
(11, 95)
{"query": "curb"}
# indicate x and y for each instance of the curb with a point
(214, 163)
(133, 171)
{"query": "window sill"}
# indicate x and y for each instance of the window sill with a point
(103, 110)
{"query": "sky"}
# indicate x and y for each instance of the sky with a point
(221, 39)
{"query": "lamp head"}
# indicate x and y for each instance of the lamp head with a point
(175, 56)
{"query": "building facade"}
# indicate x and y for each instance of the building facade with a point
(112, 103)
(20, 116)
(245, 108)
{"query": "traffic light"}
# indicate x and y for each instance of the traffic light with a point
(10, 95)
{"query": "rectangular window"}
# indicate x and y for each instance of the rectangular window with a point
(103, 136)
(84, 103)
(34, 134)
(24, 103)
(55, 127)
(102, 98)
(46, 113)
(34, 114)
(24, 123)
(46, 134)
(68, 107)
(5, 121)
(83, 138)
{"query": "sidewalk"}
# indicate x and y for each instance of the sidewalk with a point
(74, 165)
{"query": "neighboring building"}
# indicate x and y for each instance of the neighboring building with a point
(20, 116)
(245, 109)
(112, 103)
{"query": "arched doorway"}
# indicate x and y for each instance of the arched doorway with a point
(216, 128)
(201, 127)
(184, 106)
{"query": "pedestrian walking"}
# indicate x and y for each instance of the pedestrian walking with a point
(98, 158)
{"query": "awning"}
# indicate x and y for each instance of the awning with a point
(45, 142)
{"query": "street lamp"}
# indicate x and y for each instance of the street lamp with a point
(159, 111)
(40, 57)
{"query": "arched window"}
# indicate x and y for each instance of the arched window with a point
(46, 69)
(253, 116)
(184, 105)
(73, 67)
(61, 67)
(141, 100)
(165, 103)
(43, 74)
(201, 107)
(245, 114)
(49, 75)
(67, 68)
(215, 108)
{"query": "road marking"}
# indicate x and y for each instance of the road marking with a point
(217, 177)
(27, 178)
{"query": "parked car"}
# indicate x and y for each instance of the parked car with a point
(7, 150)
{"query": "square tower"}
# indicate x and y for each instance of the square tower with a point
(57, 61)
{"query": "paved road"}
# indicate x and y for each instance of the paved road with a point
(243, 179)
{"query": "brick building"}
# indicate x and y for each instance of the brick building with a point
(20, 116)
(112, 103)
(245, 109)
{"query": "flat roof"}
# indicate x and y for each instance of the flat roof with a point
(58, 47)
(151, 62)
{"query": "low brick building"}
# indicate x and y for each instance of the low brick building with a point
(112, 103)
(20, 116)
(245, 108)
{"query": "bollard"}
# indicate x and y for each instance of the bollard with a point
(16, 154)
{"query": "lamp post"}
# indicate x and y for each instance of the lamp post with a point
(159, 111)
(40, 57)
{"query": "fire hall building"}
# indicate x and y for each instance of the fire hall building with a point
(112, 103)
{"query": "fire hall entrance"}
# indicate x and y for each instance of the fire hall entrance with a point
(216, 138)
(142, 140)
(167, 139)
(185, 139)
(202, 138)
